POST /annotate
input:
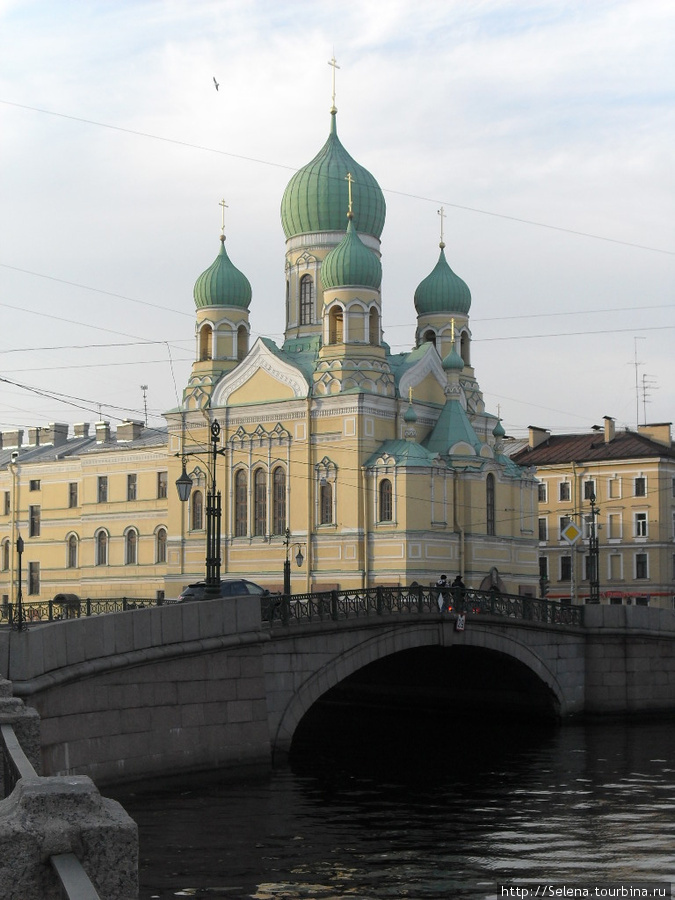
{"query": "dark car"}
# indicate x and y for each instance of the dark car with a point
(230, 587)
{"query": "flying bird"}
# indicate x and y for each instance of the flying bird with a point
(215, 82)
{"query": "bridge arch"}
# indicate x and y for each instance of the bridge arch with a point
(374, 648)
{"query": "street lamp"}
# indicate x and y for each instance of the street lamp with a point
(299, 558)
(20, 623)
(213, 510)
(594, 554)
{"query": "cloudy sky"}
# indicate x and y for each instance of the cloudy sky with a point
(546, 130)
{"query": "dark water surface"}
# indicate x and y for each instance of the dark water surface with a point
(448, 809)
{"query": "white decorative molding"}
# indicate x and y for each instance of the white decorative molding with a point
(429, 364)
(260, 357)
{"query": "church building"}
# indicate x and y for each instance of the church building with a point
(365, 466)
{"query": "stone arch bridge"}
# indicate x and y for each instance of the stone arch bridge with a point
(226, 682)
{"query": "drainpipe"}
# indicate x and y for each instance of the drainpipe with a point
(310, 493)
(364, 540)
(455, 521)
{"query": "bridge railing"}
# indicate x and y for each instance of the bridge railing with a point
(37, 611)
(411, 601)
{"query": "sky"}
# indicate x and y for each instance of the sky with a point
(544, 129)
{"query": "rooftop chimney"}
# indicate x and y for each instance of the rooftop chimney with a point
(34, 437)
(81, 429)
(610, 429)
(129, 430)
(538, 436)
(55, 433)
(659, 432)
(102, 432)
(11, 439)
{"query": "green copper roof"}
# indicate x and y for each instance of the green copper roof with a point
(222, 284)
(351, 263)
(405, 453)
(316, 197)
(453, 361)
(410, 415)
(453, 426)
(442, 291)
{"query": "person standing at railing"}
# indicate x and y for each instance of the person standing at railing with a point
(442, 585)
(458, 589)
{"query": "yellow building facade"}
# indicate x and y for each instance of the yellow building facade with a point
(378, 467)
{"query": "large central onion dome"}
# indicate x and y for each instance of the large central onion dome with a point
(442, 291)
(316, 196)
(351, 264)
(222, 284)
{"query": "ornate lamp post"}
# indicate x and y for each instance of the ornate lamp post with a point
(20, 623)
(213, 509)
(299, 558)
(594, 554)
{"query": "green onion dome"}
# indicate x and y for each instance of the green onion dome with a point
(222, 284)
(498, 430)
(453, 361)
(442, 291)
(317, 195)
(351, 263)
(410, 415)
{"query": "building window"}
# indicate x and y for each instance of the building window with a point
(197, 511)
(160, 545)
(131, 547)
(326, 503)
(565, 568)
(589, 489)
(543, 529)
(102, 488)
(205, 335)
(543, 566)
(240, 504)
(615, 567)
(34, 521)
(386, 501)
(242, 342)
(132, 486)
(101, 549)
(259, 503)
(542, 492)
(614, 526)
(72, 494)
(565, 491)
(162, 485)
(278, 501)
(7, 503)
(34, 484)
(564, 522)
(641, 486)
(33, 577)
(5, 556)
(374, 327)
(306, 300)
(72, 552)
(336, 325)
(641, 565)
(614, 490)
(490, 503)
(641, 524)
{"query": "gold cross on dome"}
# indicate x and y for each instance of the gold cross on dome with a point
(223, 204)
(333, 63)
(349, 178)
(452, 331)
(441, 213)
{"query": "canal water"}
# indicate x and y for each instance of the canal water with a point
(437, 808)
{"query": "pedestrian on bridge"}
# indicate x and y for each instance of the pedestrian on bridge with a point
(442, 585)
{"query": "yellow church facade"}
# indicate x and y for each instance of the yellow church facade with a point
(369, 467)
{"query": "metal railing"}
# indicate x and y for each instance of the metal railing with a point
(74, 882)
(413, 601)
(38, 611)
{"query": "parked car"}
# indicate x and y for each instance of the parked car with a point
(229, 587)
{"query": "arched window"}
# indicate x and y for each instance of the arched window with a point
(101, 548)
(278, 501)
(72, 551)
(259, 503)
(429, 338)
(240, 504)
(160, 545)
(326, 503)
(386, 507)
(5, 556)
(336, 326)
(306, 300)
(197, 511)
(242, 342)
(131, 547)
(464, 348)
(374, 327)
(205, 335)
(490, 503)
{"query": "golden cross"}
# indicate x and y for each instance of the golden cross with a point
(332, 62)
(441, 213)
(350, 180)
(410, 394)
(224, 206)
(452, 331)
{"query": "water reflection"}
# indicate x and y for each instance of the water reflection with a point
(457, 816)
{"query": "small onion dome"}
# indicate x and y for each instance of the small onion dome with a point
(498, 430)
(410, 415)
(317, 195)
(453, 361)
(442, 291)
(351, 263)
(222, 284)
